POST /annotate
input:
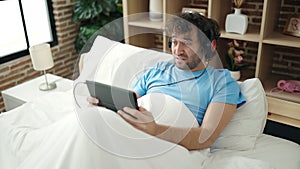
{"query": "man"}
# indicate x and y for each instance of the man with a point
(210, 94)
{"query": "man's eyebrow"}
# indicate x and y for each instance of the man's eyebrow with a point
(185, 39)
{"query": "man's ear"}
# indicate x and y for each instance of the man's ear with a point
(213, 45)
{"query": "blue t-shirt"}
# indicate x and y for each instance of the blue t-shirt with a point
(197, 89)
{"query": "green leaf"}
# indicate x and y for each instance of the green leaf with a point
(85, 32)
(86, 10)
(94, 14)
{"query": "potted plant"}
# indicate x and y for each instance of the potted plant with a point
(235, 56)
(93, 15)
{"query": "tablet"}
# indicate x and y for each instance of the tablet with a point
(112, 97)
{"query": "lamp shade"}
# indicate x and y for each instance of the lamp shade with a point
(41, 56)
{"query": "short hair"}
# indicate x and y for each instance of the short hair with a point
(184, 23)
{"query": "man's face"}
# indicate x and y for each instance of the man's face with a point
(186, 50)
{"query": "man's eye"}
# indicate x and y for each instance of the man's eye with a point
(174, 42)
(183, 42)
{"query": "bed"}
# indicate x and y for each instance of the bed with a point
(60, 130)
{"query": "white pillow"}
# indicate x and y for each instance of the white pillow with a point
(249, 120)
(123, 64)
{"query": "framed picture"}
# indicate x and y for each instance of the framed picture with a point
(292, 26)
(199, 10)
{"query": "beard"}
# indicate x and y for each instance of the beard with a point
(184, 62)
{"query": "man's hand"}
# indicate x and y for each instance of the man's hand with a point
(144, 119)
(93, 100)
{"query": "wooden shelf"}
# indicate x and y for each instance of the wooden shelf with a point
(137, 22)
(249, 36)
(145, 22)
(284, 111)
(270, 88)
(293, 97)
(284, 120)
(277, 38)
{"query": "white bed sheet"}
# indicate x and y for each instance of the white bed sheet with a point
(46, 133)
(279, 153)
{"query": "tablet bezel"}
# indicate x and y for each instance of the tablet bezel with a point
(112, 97)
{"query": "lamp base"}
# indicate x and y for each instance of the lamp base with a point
(47, 86)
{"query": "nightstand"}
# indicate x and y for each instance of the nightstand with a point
(27, 91)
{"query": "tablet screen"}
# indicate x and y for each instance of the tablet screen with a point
(112, 97)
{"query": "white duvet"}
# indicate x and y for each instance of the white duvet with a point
(47, 133)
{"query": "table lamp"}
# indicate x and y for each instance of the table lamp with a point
(41, 58)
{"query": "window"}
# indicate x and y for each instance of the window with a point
(25, 23)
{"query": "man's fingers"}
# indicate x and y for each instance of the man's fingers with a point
(129, 112)
(142, 109)
(92, 100)
(130, 115)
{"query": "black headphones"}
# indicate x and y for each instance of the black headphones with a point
(170, 43)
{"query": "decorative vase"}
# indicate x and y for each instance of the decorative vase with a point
(235, 74)
(236, 22)
(155, 10)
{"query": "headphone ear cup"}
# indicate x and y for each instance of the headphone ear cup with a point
(169, 43)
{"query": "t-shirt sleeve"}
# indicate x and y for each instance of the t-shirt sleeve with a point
(228, 90)
(143, 83)
(140, 86)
